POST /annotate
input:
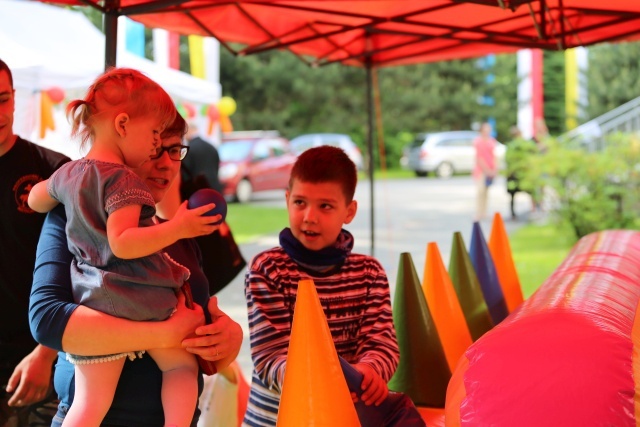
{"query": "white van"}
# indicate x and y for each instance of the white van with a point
(445, 153)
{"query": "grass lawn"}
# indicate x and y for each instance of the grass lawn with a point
(248, 222)
(537, 251)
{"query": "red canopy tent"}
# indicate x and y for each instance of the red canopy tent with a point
(386, 32)
(373, 33)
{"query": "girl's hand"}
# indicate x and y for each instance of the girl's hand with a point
(192, 223)
(182, 322)
(374, 388)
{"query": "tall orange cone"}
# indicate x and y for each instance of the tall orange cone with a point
(465, 282)
(507, 274)
(315, 391)
(444, 307)
(423, 373)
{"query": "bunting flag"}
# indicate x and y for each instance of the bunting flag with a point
(174, 50)
(196, 56)
(575, 85)
(160, 46)
(135, 37)
(530, 90)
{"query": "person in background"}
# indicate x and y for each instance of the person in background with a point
(204, 159)
(485, 169)
(540, 137)
(353, 288)
(26, 394)
(59, 322)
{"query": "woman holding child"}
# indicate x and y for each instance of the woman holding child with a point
(58, 322)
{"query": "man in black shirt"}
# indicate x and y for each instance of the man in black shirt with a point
(203, 158)
(26, 395)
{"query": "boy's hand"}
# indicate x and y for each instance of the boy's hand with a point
(374, 388)
(192, 222)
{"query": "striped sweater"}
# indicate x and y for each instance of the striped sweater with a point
(355, 298)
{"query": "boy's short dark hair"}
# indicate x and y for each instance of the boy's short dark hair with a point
(5, 67)
(326, 164)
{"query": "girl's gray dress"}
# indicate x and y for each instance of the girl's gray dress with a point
(136, 289)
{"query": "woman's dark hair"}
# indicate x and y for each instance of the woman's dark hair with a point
(177, 128)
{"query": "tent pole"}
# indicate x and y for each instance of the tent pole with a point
(370, 151)
(110, 32)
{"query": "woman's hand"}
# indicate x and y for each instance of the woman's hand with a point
(218, 341)
(182, 323)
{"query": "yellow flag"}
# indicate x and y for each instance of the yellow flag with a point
(196, 56)
(571, 88)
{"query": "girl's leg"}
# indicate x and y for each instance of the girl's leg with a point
(95, 386)
(179, 385)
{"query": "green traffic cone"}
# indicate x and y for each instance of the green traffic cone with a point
(465, 282)
(423, 373)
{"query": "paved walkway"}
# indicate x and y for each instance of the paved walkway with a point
(409, 214)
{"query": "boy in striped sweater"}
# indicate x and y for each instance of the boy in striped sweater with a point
(353, 288)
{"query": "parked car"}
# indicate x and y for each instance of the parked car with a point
(444, 153)
(254, 161)
(304, 142)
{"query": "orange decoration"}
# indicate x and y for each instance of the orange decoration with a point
(445, 308)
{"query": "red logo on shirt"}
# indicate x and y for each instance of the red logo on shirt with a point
(21, 190)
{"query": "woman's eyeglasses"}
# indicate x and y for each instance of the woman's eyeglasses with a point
(176, 152)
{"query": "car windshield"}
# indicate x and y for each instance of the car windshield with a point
(234, 151)
(419, 139)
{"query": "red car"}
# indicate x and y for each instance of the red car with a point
(254, 161)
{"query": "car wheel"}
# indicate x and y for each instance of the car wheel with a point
(421, 174)
(244, 191)
(444, 170)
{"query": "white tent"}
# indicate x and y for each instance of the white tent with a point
(48, 46)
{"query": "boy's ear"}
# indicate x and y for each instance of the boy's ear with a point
(120, 122)
(352, 208)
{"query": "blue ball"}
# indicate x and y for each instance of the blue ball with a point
(205, 196)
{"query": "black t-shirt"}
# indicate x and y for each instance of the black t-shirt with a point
(203, 158)
(20, 168)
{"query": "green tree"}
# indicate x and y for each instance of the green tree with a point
(275, 90)
(613, 76)
(554, 91)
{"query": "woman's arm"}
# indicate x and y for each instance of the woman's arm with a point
(57, 322)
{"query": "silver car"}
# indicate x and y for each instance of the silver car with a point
(444, 153)
(304, 142)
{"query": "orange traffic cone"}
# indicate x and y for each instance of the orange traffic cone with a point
(507, 274)
(444, 307)
(315, 391)
(423, 372)
(465, 282)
